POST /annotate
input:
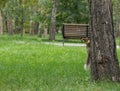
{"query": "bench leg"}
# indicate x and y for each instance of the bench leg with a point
(63, 42)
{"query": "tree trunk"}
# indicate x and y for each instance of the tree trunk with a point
(1, 23)
(103, 56)
(5, 27)
(22, 18)
(39, 30)
(119, 29)
(22, 25)
(31, 28)
(10, 26)
(53, 21)
(45, 32)
(36, 26)
(17, 26)
(119, 33)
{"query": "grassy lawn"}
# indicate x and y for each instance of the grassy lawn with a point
(27, 64)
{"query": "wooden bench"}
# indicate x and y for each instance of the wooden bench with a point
(75, 31)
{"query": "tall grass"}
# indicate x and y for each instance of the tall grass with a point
(27, 64)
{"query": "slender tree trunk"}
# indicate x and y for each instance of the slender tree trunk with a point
(10, 26)
(103, 56)
(45, 32)
(53, 21)
(119, 29)
(22, 24)
(39, 30)
(31, 28)
(36, 26)
(119, 33)
(17, 27)
(22, 18)
(1, 23)
(5, 27)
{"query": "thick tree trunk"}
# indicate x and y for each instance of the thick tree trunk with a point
(103, 57)
(53, 21)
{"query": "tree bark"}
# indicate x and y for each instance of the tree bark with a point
(119, 29)
(5, 27)
(22, 18)
(45, 32)
(36, 27)
(1, 23)
(40, 30)
(10, 26)
(103, 56)
(31, 28)
(53, 21)
(17, 26)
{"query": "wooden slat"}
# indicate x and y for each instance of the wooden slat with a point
(75, 31)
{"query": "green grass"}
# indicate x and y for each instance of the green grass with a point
(118, 41)
(27, 64)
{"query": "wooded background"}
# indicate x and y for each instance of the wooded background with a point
(39, 16)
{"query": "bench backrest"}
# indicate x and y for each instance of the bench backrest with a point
(75, 31)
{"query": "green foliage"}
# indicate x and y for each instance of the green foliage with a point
(116, 9)
(27, 64)
(40, 10)
(69, 11)
(116, 16)
(73, 11)
(2, 3)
